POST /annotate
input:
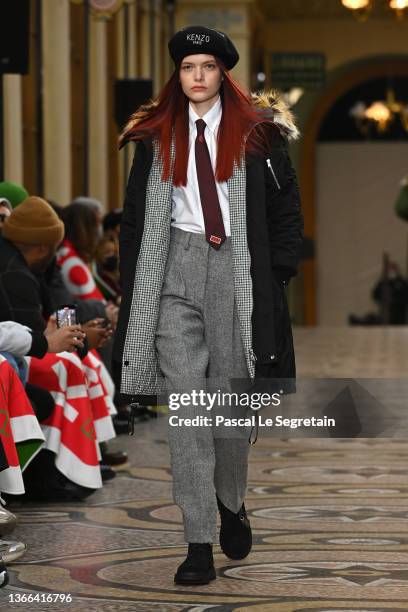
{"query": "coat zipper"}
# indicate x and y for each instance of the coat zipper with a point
(268, 161)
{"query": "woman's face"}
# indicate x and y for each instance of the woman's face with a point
(200, 77)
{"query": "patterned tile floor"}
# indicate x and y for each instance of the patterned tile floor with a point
(329, 518)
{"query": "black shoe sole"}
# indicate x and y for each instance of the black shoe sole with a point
(240, 554)
(236, 557)
(193, 581)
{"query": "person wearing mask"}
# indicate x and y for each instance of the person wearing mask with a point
(73, 264)
(106, 269)
(209, 238)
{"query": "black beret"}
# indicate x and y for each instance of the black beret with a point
(199, 39)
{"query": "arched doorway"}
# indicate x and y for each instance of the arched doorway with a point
(373, 68)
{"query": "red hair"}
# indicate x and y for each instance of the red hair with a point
(170, 110)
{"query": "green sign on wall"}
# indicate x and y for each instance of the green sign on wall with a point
(307, 70)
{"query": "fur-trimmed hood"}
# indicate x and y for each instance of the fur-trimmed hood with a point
(275, 107)
(271, 102)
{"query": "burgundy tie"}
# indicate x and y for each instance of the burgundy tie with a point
(214, 226)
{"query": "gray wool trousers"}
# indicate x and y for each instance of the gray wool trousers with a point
(199, 348)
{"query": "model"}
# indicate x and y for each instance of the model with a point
(210, 235)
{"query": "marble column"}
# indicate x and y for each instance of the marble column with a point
(56, 100)
(13, 128)
(98, 121)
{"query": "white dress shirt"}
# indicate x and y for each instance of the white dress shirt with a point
(187, 213)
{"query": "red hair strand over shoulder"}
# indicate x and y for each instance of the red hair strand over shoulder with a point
(169, 111)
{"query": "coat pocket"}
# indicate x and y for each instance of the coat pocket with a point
(173, 281)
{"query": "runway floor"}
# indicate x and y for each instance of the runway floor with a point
(329, 517)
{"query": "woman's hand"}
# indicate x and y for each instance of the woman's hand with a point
(52, 323)
(96, 334)
(112, 312)
(64, 338)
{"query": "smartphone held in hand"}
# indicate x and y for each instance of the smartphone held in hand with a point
(66, 315)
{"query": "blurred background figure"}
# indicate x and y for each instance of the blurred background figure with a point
(78, 249)
(94, 205)
(13, 192)
(111, 223)
(106, 269)
(5, 210)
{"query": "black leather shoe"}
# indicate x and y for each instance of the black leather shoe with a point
(198, 567)
(120, 425)
(235, 532)
(62, 490)
(107, 472)
(114, 458)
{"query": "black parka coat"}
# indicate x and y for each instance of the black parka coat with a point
(274, 234)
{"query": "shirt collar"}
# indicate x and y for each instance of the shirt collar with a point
(212, 117)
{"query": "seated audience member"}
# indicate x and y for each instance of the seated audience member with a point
(97, 336)
(96, 206)
(53, 293)
(56, 293)
(29, 240)
(28, 243)
(105, 269)
(91, 308)
(30, 237)
(75, 257)
(78, 250)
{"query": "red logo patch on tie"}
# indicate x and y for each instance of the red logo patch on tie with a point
(215, 239)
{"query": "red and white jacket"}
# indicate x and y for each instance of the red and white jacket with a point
(76, 274)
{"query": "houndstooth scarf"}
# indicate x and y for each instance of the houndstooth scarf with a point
(142, 375)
